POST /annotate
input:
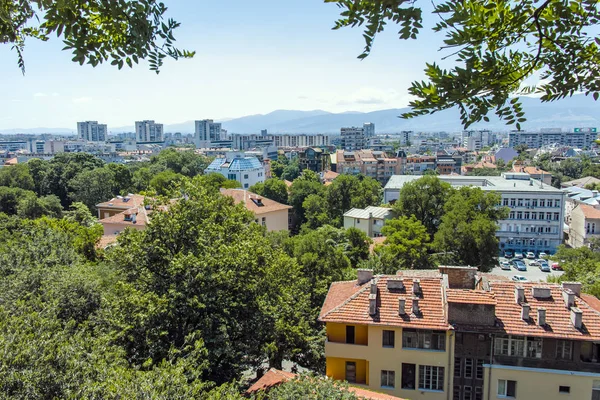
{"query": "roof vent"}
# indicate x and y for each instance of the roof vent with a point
(364, 275)
(401, 306)
(415, 306)
(574, 286)
(576, 317)
(519, 294)
(541, 316)
(395, 284)
(416, 287)
(540, 292)
(525, 311)
(372, 304)
(569, 298)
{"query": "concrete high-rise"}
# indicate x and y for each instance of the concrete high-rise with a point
(148, 131)
(206, 131)
(369, 129)
(353, 138)
(91, 131)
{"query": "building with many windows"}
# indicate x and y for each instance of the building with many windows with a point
(206, 132)
(584, 225)
(314, 159)
(272, 215)
(353, 138)
(148, 131)
(457, 334)
(581, 138)
(535, 221)
(249, 141)
(91, 131)
(374, 164)
(247, 170)
(370, 220)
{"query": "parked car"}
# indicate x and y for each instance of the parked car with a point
(534, 263)
(543, 255)
(544, 267)
(519, 255)
(556, 266)
(519, 278)
(505, 265)
(519, 265)
(531, 255)
(508, 254)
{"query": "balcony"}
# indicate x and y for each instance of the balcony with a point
(346, 350)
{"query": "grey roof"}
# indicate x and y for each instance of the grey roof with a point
(581, 181)
(489, 183)
(377, 212)
(582, 195)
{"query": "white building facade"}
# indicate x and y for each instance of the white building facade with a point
(148, 131)
(206, 131)
(353, 138)
(92, 131)
(535, 221)
(581, 138)
(238, 167)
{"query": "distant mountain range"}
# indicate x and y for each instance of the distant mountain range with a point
(576, 111)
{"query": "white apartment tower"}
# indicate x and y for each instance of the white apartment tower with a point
(148, 131)
(369, 129)
(91, 131)
(353, 138)
(206, 131)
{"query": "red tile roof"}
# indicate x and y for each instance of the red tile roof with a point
(140, 212)
(558, 317)
(345, 305)
(470, 296)
(589, 212)
(591, 300)
(250, 200)
(275, 377)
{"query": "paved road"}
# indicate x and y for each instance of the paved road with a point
(533, 273)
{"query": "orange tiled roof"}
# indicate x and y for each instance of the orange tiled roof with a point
(140, 212)
(105, 241)
(592, 301)
(558, 317)
(470, 296)
(354, 308)
(246, 197)
(328, 175)
(589, 212)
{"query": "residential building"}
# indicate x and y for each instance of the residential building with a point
(584, 225)
(468, 169)
(582, 138)
(119, 204)
(369, 130)
(120, 213)
(16, 145)
(92, 131)
(581, 182)
(314, 159)
(353, 139)
(535, 221)
(534, 172)
(247, 170)
(206, 132)
(405, 137)
(370, 220)
(327, 177)
(148, 131)
(476, 140)
(269, 213)
(455, 333)
(417, 164)
(576, 196)
(374, 164)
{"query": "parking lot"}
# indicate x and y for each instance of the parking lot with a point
(533, 274)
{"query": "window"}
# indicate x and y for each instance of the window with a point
(507, 388)
(564, 389)
(468, 393)
(264, 221)
(351, 371)
(519, 215)
(534, 348)
(520, 202)
(420, 339)
(542, 203)
(431, 378)
(534, 203)
(533, 215)
(457, 367)
(479, 370)
(468, 368)
(564, 350)
(505, 202)
(231, 177)
(389, 338)
(526, 215)
(387, 379)
(478, 393)
(456, 393)
(511, 215)
(245, 176)
(557, 203)
(408, 376)
(350, 334)
(557, 217)
(518, 346)
(245, 186)
(512, 202)
(541, 215)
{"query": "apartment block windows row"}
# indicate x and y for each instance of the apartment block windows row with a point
(430, 378)
(421, 339)
(467, 392)
(531, 203)
(541, 216)
(518, 346)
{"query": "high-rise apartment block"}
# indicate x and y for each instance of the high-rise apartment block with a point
(369, 129)
(91, 131)
(206, 132)
(476, 140)
(249, 141)
(581, 138)
(353, 138)
(148, 131)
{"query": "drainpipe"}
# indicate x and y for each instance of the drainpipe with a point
(448, 387)
(490, 369)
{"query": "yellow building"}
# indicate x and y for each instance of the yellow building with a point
(457, 334)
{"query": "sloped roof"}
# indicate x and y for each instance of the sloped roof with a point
(123, 202)
(589, 212)
(253, 201)
(581, 182)
(141, 217)
(376, 212)
(466, 296)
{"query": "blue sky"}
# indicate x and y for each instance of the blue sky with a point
(252, 57)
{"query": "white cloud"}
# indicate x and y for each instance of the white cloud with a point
(80, 100)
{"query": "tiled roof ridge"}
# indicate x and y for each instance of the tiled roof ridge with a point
(349, 299)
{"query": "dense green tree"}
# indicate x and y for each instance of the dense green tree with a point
(123, 178)
(299, 191)
(581, 264)
(185, 162)
(166, 182)
(315, 212)
(347, 192)
(498, 47)
(406, 245)
(309, 387)
(17, 176)
(141, 179)
(216, 181)
(358, 245)
(468, 228)
(274, 189)
(93, 186)
(33, 207)
(10, 198)
(425, 199)
(485, 172)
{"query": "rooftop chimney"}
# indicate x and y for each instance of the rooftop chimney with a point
(373, 286)
(540, 292)
(415, 306)
(519, 294)
(416, 287)
(574, 286)
(372, 304)
(525, 312)
(395, 284)
(569, 298)
(364, 275)
(576, 317)
(541, 316)
(401, 306)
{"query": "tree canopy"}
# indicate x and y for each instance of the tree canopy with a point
(500, 49)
